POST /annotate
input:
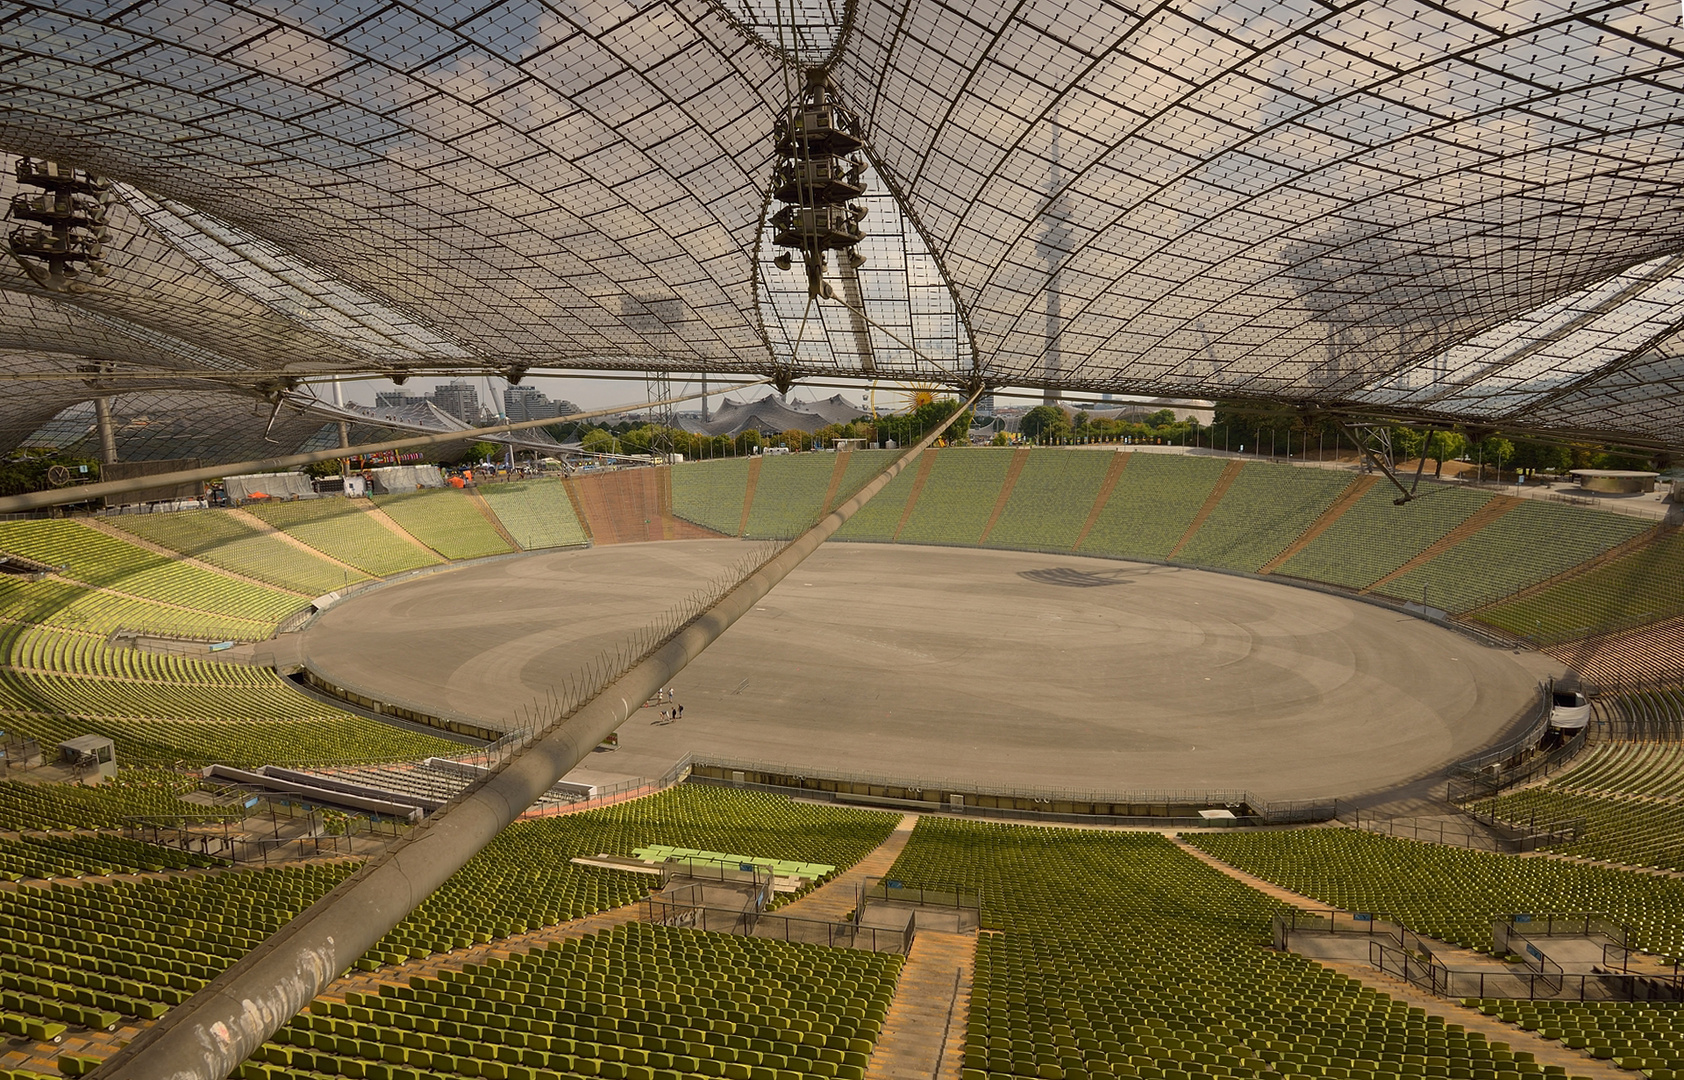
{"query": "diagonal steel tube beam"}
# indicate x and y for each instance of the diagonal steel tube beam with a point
(35, 500)
(207, 1036)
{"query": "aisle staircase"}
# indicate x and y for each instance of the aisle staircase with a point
(924, 1033)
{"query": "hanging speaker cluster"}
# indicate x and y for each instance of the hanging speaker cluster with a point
(820, 172)
(60, 231)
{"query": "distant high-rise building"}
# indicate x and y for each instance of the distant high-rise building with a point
(396, 399)
(526, 403)
(529, 403)
(459, 399)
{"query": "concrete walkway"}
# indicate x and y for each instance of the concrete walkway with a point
(836, 898)
(1543, 1051)
(924, 1033)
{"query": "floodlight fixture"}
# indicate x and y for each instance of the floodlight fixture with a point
(64, 241)
(820, 169)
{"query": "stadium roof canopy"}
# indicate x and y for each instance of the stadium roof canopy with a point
(1467, 210)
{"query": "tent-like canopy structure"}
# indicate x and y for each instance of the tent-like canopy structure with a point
(1467, 211)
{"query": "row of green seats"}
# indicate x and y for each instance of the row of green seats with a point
(326, 738)
(958, 497)
(42, 648)
(133, 948)
(38, 855)
(878, 519)
(266, 697)
(446, 520)
(1266, 508)
(787, 496)
(1627, 768)
(26, 804)
(524, 880)
(1153, 504)
(95, 558)
(1636, 832)
(69, 606)
(231, 540)
(537, 513)
(1051, 500)
(632, 1003)
(344, 530)
(1646, 1036)
(1374, 537)
(1451, 893)
(1533, 541)
(1157, 497)
(1646, 584)
(1116, 954)
(711, 493)
(115, 946)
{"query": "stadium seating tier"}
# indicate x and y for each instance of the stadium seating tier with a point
(1645, 585)
(446, 520)
(1452, 893)
(1119, 955)
(228, 540)
(343, 529)
(537, 513)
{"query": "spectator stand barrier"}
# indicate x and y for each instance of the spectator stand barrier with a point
(620, 792)
(1521, 929)
(1484, 833)
(208, 833)
(895, 891)
(1158, 808)
(1332, 921)
(883, 900)
(755, 880)
(206, 639)
(682, 909)
(1524, 982)
(19, 752)
(1532, 754)
(235, 839)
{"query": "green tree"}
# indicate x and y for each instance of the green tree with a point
(907, 428)
(1442, 445)
(1496, 450)
(747, 440)
(1044, 421)
(482, 451)
(599, 441)
(1407, 443)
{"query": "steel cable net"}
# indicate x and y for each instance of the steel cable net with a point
(1465, 211)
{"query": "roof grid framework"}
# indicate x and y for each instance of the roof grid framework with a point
(1370, 182)
(404, 155)
(1306, 201)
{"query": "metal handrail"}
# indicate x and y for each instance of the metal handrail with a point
(664, 911)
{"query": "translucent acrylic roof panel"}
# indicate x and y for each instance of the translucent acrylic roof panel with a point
(156, 307)
(275, 278)
(163, 424)
(1282, 199)
(1336, 205)
(524, 177)
(1556, 345)
(1644, 396)
(807, 30)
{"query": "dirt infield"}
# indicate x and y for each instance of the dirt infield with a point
(1040, 671)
